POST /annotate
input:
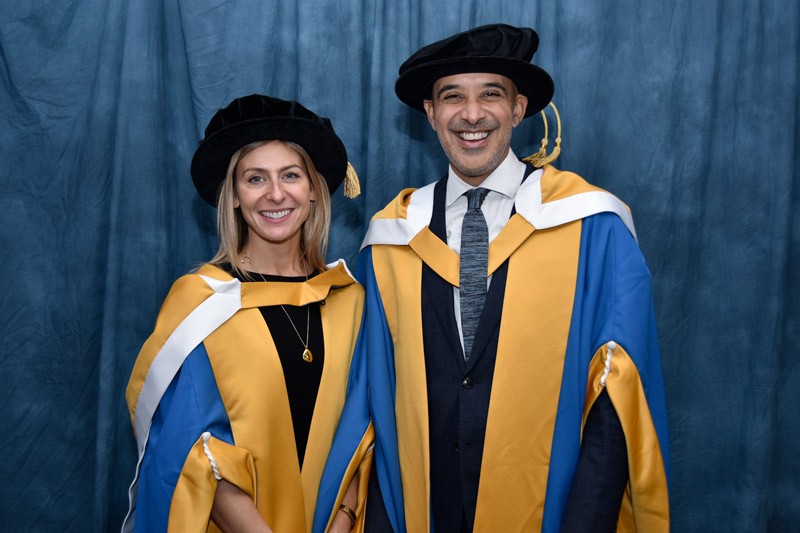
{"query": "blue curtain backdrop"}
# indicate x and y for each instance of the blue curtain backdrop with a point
(687, 110)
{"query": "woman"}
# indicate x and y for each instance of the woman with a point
(236, 395)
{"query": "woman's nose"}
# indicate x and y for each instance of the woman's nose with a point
(275, 191)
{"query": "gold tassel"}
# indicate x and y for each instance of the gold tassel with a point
(540, 158)
(352, 187)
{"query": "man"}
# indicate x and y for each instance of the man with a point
(535, 404)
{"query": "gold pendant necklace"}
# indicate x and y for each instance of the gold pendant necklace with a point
(308, 357)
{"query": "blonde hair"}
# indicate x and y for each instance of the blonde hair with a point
(232, 228)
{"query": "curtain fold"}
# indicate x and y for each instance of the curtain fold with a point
(688, 111)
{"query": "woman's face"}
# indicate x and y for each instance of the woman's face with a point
(273, 191)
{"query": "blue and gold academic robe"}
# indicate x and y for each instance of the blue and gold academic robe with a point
(577, 319)
(208, 401)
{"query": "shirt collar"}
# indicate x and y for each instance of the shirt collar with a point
(505, 180)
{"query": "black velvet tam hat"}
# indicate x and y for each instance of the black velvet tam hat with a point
(496, 48)
(260, 118)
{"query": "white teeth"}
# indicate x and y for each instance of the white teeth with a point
(276, 214)
(477, 136)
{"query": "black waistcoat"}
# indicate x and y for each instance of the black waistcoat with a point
(458, 391)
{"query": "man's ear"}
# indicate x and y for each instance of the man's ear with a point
(520, 105)
(428, 105)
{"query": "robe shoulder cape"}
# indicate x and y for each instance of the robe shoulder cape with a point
(208, 401)
(577, 317)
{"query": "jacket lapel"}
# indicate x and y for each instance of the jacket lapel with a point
(439, 291)
(490, 316)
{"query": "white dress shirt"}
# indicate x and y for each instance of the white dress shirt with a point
(502, 184)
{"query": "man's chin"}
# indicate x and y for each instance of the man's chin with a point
(475, 171)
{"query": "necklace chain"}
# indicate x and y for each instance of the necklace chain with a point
(307, 355)
(308, 321)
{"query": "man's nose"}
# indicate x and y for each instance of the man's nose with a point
(472, 111)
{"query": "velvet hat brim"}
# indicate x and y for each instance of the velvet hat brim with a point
(259, 118)
(495, 48)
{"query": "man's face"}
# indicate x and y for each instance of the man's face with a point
(473, 115)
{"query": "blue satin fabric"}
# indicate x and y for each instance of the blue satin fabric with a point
(190, 406)
(373, 362)
(612, 303)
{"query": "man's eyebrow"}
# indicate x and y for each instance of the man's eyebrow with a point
(446, 88)
(487, 85)
(495, 85)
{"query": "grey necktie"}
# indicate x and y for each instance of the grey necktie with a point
(474, 266)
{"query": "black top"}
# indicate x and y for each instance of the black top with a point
(302, 378)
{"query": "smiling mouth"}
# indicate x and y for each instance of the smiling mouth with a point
(473, 136)
(275, 214)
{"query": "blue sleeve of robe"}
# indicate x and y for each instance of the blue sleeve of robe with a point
(190, 406)
(613, 301)
(370, 395)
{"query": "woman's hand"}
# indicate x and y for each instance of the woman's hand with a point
(234, 512)
(340, 524)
